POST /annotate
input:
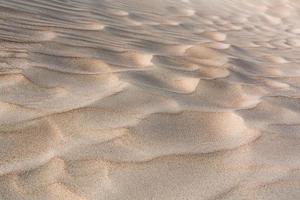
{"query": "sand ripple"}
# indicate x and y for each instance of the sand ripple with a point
(154, 100)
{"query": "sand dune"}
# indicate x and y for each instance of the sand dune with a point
(149, 100)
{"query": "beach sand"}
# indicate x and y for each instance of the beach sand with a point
(149, 100)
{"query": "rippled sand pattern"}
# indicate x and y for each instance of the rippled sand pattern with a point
(149, 100)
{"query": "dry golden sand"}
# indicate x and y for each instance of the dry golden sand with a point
(149, 100)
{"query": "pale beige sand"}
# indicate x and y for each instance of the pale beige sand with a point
(149, 100)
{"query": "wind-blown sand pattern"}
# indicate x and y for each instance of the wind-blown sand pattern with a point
(149, 100)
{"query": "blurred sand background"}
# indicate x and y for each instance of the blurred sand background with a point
(149, 100)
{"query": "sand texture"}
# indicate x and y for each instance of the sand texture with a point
(149, 100)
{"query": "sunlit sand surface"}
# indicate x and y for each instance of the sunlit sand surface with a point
(149, 100)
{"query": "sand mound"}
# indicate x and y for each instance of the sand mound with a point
(191, 132)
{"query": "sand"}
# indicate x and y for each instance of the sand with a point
(149, 100)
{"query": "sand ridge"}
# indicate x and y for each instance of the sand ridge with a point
(153, 100)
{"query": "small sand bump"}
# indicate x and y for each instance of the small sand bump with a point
(94, 26)
(118, 12)
(171, 22)
(199, 30)
(156, 78)
(272, 20)
(204, 52)
(217, 36)
(182, 11)
(277, 84)
(213, 72)
(276, 59)
(234, 27)
(218, 45)
(177, 50)
(188, 12)
(49, 35)
(137, 58)
(254, 44)
(132, 22)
